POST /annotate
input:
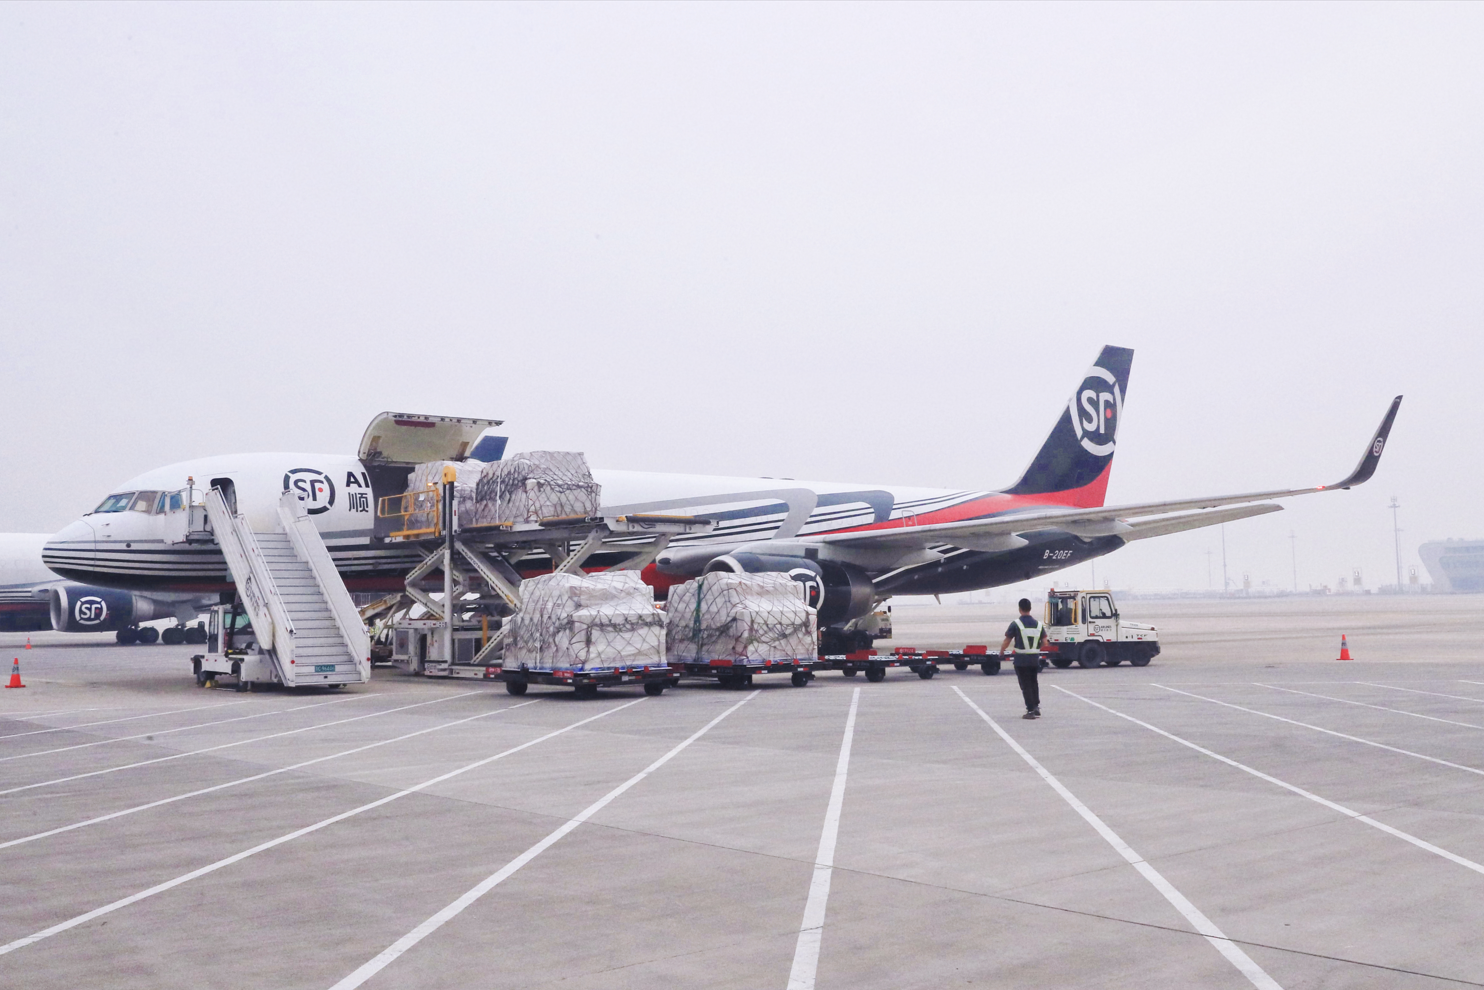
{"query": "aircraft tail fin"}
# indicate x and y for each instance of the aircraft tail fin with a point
(1074, 463)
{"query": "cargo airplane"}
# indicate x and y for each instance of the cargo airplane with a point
(852, 546)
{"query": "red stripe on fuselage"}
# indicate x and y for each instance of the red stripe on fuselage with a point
(1089, 496)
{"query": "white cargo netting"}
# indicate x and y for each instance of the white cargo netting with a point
(427, 502)
(539, 484)
(739, 617)
(584, 621)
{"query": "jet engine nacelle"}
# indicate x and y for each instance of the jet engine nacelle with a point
(81, 608)
(840, 592)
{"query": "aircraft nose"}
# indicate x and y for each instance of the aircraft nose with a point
(71, 548)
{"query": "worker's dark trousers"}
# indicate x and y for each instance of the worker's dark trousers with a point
(1028, 686)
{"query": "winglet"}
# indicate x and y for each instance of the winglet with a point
(1372, 456)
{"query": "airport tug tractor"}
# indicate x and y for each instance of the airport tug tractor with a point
(1085, 627)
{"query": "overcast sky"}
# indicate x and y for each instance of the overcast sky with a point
(873, 243)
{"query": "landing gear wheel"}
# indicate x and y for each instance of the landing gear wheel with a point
(654, 688)
(195, 636)
(516, 688)
(148, 634)
(926, 673)
(850, 672)
(1141, 659)
(875, 674)
(1092, 655)
(800, 678)
(960, 666)
(127, 636)
(990, 667)
(173, 636)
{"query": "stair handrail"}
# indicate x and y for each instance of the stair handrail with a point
(255, 585)
(310, 548)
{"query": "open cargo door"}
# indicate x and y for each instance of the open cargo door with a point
(407, 439)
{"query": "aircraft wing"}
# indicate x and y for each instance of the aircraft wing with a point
(1131, 522)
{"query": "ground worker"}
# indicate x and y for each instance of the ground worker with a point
(1025, 632)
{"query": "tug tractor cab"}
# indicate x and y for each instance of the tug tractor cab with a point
(232, 654)
(1085, 627)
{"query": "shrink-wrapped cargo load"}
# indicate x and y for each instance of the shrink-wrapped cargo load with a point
(539, 484)
(739, 617)
(583, 621)
(426, 485)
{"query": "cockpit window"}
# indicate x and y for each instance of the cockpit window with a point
(144, 502)
(176, 502)
(116, 503)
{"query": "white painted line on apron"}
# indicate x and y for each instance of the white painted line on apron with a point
(259, 776)
(183, 728)
(1332, 805)
(1435, 694)
(1244, 963)
(1362, 704)
(811, 931)
(160, 888)
(391, 953)
(128, 718)
(1328, 732)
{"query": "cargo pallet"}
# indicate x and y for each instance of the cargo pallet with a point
(586, 682)
(738, 673)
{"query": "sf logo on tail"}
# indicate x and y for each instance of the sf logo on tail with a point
(1096, 408)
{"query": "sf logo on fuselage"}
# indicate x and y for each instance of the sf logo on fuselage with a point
(1096, 408)
(314, 487)
(90, 611)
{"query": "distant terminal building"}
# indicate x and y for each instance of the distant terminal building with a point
(1454, 565)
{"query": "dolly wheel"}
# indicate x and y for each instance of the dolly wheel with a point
(927, 672)
(875, 674)
(960, 666)
(516, 688)
(850, 672)
(990, 667)
(654, 688)
(800, 678)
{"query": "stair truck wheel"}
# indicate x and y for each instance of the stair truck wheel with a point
(875, 674)
(926, 672)
(990, 667)
(516, 688)
(800, 678)
(1092, 654)
(1141, 657)
(654, 688)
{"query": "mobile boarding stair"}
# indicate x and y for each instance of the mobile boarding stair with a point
(305, 629)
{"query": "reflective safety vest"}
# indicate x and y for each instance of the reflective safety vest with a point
(1030, 637)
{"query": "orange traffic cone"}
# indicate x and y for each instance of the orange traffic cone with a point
(28, 642)
(15, 675)
(1344, 648)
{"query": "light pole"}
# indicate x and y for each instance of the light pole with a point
(1293, 545)
(1225, 583)
(1396, 535)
